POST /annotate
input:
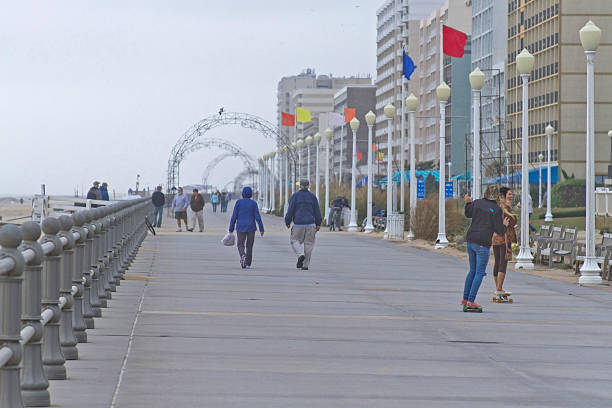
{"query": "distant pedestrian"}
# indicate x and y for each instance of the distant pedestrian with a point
(159, 200)
(244, 217)
(104, 191)
(179, 206)
(214, 200)
(487, 218)
(21, 201)
(94, 192)
(305, 214)
(197, 210)
(223, 202)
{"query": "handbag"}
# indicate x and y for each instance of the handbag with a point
(228, 239)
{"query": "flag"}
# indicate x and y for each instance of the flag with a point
(349, 114)
(408, 66)
(303, 115)
(359, 156)
(453, 42)
(288, 119)
(335, 119)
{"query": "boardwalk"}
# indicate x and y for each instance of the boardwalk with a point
(371, 324)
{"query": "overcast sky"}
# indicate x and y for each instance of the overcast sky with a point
(102, 90)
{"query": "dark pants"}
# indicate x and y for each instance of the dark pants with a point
(499, 252)
(157, 215)
(249, 237)
(214, 207)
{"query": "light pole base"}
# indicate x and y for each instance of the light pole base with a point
(524, 260)
(410, 236)
(548, 217)
(368, 228)
(589, 273)
(441, 241)
(353, 227)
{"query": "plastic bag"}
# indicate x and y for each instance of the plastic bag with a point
(228, 239)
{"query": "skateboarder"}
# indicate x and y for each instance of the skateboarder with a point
(487, 218)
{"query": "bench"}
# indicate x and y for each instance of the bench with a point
(545, 243)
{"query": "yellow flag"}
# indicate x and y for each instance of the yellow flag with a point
(303, 115)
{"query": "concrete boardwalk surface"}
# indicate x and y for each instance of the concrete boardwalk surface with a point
(371, 324)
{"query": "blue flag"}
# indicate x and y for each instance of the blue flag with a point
(409, 66)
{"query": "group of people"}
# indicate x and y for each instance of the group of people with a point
(222, 198)
(303, 218)
(493, 224)
(98, 192)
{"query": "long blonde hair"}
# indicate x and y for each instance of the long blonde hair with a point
(491, 192)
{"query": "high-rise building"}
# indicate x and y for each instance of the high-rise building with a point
(489, 45)
(557, 85)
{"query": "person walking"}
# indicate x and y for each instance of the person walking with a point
(244, 217)
(502, 244)
(214, 200)
(104, 191)
(305, 214)
(223, 202)
(159, 200)
(487, 218)
(94, 192)
(179, 206)
(197, 210)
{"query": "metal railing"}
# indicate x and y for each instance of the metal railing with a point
(52, 287)
(395, 227)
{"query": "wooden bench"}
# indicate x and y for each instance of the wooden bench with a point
(544, 244)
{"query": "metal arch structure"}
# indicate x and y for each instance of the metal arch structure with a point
(248, 160)
(239, 180)
(190, 141)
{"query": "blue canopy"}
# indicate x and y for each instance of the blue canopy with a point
(534, 175)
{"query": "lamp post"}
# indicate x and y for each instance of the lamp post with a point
(353, 223)
(260, 184)
(540, 158)
(390, 114)
(294, 172)
(286, 200)
(524, 64)
(443, 92)
(272, 155)
(590, 36)
(317, 139)
(411, 104)
(308, 141)
(264, 184)
(370, 118)
(548, 217)
(477, 79)
(280, 162)
(329, 134)
(507, 167)
(299, 144)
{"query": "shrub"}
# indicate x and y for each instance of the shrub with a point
(569, 193)
(426, 219)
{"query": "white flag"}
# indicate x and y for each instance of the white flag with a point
(335, 119)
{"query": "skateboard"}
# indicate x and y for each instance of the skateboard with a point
(503, 298)
(472, 309)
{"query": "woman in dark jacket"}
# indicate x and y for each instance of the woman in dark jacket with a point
(487, 218)
(244, 217)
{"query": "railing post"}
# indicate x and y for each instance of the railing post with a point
(88, 311)
(110, 251)
(34, 384)
(104, 292)
(96, 302)
(53, 359)
(78, 323)
(67, 340)
(10, 317)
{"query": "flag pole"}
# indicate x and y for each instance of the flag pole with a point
(403, 133)
(341, 148)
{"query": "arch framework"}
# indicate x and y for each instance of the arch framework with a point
(247, 159)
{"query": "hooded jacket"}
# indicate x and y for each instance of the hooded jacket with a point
(246, 213)
(303, 209)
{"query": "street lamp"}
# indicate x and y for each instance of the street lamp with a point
(299, 144)
(353, 223)
(443, 92)
(294, 172)
(272, 155)
(590, 36)
(477, 79)
(540, 158)
(281, 162)
(411, 104)
(317, 139)
(507, 167)
(390, 114)
(524, 64)
(260, 184)
(308, 141)
(548, 217)
(329, 134)
(264, 185)
(370, 118)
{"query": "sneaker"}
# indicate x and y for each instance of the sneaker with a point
(190, 229)
(506, 293)
(248, 266)
(473, 305)
(498, 292)
(300, 261)
(464, 302)
(243, 261)
(179, 230)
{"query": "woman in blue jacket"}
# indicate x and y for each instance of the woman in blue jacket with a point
(245, 214)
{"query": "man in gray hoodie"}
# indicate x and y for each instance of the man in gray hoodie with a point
(179, 206)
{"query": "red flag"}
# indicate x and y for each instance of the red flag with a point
(349, 114)
(453, 42)
(288, 119)
(359, 156)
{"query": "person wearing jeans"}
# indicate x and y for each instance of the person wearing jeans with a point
(159, 200)
(487, 218)
(244, 217)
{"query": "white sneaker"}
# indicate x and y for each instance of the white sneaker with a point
(498, 292)
(179, 230)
